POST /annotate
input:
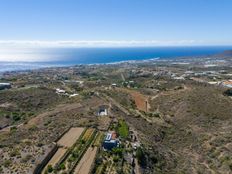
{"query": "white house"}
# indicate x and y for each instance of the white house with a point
(60, 91)
(5, 86)
(102, 111)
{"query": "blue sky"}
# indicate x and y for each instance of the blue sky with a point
(190, 21)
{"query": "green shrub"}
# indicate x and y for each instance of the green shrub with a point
(140, 155)
(6, 163)
(116, 159)
(123, 129)
(14, 153)
(62, 166)
(50, 169)
(16, 117)
(117, 151)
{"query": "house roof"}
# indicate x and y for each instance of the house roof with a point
(111, 136)
(229, 82)
(4, 84)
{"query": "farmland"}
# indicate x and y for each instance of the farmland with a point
(66, 141)
(84, 151)
(56, 158)
(73, 155)
(70, 137)
(87, 161)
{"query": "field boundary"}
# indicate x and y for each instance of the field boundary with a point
(90, 141)
(39, 168)
(70, 149)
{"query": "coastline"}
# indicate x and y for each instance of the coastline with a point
(30, 66)
(110, 57)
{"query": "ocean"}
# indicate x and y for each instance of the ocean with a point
(74, 56)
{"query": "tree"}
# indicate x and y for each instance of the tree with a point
(62, 166)
(50, 169)
(140, 156)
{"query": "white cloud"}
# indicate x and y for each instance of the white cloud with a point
(26, 50)
(95, 43)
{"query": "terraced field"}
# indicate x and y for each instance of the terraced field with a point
(70, 137)
(87, 161)
(77, 152)
(84, 166)
(58, 155)
(64, 143)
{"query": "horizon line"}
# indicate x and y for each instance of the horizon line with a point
(105, 43)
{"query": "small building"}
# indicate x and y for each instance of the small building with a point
(73, 95)
(5, 86)
(213, 83)
(102, 111)
(179, 78)
(60, 91)
(114, 85)
(227, 84)
(110, 141)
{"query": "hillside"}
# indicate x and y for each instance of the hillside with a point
(166, 117)
(195, 135)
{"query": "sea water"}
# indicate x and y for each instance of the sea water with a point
(74, 56)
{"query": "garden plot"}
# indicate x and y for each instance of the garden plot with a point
(66, 142)
(78, 157)
(86, 163)
(74, 154)
(70, 137)
(56, 158)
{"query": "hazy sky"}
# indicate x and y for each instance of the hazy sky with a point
(203, 21)
(55, 23)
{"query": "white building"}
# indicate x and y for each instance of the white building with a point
(102, 111)
(5, 86)
(60, 91)
(73, 95)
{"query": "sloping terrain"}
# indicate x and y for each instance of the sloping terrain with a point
(19, 105)
(23, 148)
(186, 128)
(196, 134)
